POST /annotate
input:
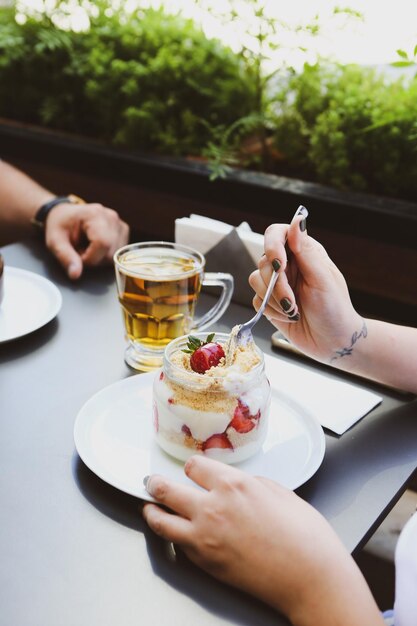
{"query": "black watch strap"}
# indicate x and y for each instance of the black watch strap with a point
(42, 213)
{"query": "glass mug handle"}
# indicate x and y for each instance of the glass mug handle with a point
(216, 279)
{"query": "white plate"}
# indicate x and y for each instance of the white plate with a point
(114, 437)
(30, 301)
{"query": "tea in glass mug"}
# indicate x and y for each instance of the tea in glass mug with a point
(158, 285)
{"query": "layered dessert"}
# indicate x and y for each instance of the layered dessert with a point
(211, 397)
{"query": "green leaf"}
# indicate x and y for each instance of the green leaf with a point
(415, 50)
(210, 337)
(193, 344)
(402, 64)
(193, 339)
(402, 54)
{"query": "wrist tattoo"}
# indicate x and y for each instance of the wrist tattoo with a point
(347, 351)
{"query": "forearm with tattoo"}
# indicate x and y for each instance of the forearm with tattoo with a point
(348, 350)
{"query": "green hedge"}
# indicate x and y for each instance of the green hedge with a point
(147, 80)
(153, 81)
(350, 128)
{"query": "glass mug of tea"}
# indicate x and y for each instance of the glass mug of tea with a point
(158, 285)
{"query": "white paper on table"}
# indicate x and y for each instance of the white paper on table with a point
(203, 233)
(336, 404)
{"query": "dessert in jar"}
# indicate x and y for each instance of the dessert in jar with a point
(211, 397)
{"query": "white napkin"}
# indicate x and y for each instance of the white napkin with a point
(203, 233)
(337, 405)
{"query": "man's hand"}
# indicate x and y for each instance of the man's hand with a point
(84, 234)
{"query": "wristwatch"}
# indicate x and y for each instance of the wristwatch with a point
(41, 214)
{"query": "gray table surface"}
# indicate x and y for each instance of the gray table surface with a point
(73, 550)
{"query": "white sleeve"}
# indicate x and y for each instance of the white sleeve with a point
(405, 606)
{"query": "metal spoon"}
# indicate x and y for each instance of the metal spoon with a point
(244, 334)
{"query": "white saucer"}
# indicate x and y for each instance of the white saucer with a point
(113, 435)
(30, 301)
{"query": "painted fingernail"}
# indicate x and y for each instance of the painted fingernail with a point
(294, 318)
(276, 264)
(302, 211)
(171, 551)
(286, 304)
(74, 270)
(145, 481)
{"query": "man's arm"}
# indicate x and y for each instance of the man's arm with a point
(78, 235)
(20, 198)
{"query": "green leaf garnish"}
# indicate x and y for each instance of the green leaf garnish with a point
(194, 343)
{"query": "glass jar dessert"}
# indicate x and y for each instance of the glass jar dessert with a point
(208, 401)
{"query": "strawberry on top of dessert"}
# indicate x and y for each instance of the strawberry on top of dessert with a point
(204, 354)
(212, 359)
